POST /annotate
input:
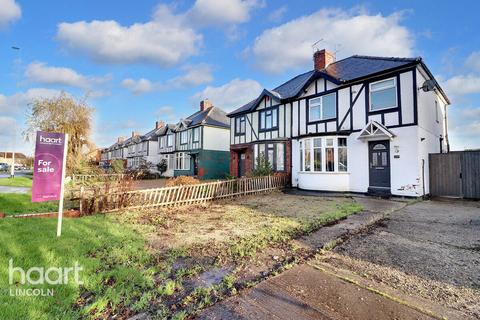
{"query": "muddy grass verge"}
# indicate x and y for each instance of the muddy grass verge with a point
(206, 253)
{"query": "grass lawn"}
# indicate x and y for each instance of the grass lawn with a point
(167, 263)
(16, 203)
(19, 181)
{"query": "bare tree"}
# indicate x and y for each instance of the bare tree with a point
(66, 115)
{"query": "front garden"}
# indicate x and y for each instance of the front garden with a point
(164, 263)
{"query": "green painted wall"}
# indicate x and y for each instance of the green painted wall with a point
(212, 164)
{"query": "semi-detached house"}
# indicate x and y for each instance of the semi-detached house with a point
(360, 124)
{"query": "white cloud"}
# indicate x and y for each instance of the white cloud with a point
(464, 127)
(166, 40)
(194, 75)
(6, 125)
(473, 61)
(166, 113)
(9, 12)
(462, 84)
(289, 45)
(231, 95)
(214, 12)
(139, 86)
(41, 73)
(17, 103)
(277, 14)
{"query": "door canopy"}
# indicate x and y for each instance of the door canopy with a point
(375, 131)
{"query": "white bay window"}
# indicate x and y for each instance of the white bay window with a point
(323, 154)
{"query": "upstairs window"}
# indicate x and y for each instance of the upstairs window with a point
(196, 134)
(323, 107)
(170, 140)
(269, 119)
(184, 137)
(161, 142)
(240, 125)
(383, 94)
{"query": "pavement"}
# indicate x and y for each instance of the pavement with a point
(4, 189)
(431, 243)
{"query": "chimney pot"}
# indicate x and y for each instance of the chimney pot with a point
(205, 104)
(159, 124)
(322, 58)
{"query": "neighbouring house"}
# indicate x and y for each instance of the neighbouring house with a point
(197, 146)
(361, 124)
(202, 143)
(166, 148)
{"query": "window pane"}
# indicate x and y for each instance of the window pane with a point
(330, 142)
(307, 155)
(262, 120)
(330, 159)
(382, 84)
(268, 121)
(280, 157)
(317, 159)
(382, 99)
(301, 156)
(242, 126)
(342, 159)
(317, 142)
(329, 106)
(274, 118)
(314, 113)
(270, 157)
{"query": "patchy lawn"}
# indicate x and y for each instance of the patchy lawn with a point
(19, 181)
(17, 203)
(165, 263)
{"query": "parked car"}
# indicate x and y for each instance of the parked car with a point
(3, 166)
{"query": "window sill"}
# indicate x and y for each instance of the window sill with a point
(323, 172)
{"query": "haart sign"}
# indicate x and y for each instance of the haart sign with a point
(48, 166)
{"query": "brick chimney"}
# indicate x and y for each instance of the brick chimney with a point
(135, 134)
(205, 104)
(121, 139)
(322, 58)
(159, 124)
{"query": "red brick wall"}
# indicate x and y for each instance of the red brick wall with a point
(234, 154)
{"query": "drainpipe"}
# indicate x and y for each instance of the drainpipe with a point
(446, 128)
(423, 178)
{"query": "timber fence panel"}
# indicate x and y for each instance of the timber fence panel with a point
(182, 195)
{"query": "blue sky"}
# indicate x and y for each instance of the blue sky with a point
(139, 61)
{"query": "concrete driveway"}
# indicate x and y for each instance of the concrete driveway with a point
(422, 262)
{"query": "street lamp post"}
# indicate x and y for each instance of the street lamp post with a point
(12, 168)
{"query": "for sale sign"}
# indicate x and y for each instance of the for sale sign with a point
(48, 166)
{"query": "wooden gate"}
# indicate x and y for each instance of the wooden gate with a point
(455, 174)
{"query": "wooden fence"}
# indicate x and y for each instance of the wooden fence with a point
(81, 178)
(455, 174)
(181, 195)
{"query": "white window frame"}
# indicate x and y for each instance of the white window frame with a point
(170, 140)
(182, 161)
(380, 89)
(196, 132)
(184, 136)
(161, 142)
(320, 105)
(302, 147)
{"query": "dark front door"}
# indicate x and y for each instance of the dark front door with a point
(241, 164)
(379, 166)
(195, 165)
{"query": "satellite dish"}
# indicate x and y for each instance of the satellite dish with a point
(428, 85)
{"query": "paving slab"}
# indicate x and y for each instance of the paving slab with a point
(307, 293)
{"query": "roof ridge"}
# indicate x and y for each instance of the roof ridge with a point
(299, 75)
(385, 58)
